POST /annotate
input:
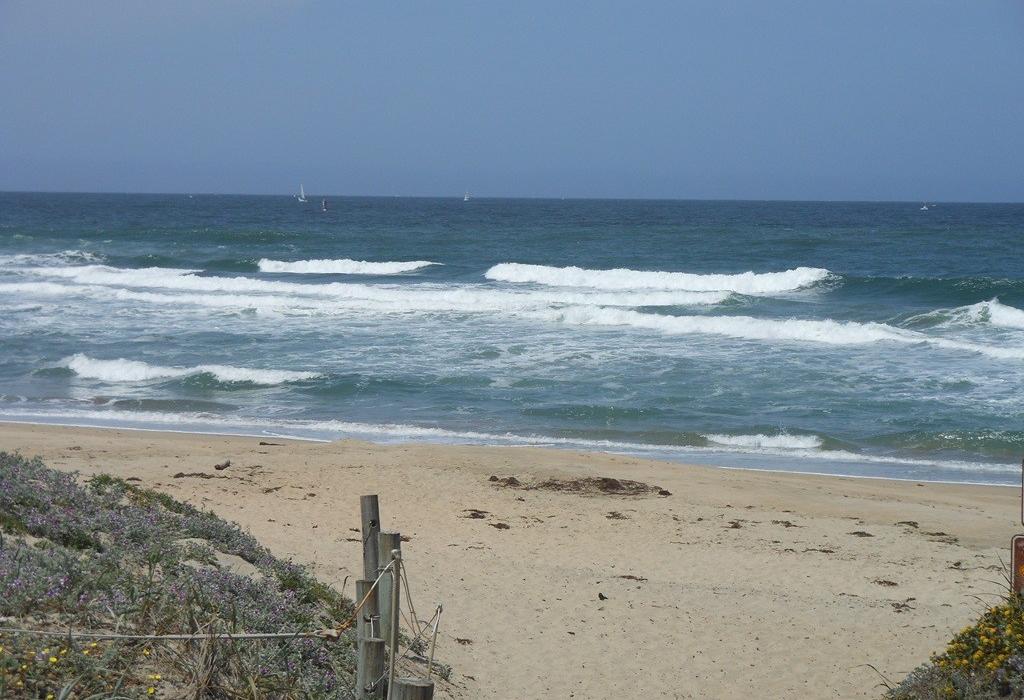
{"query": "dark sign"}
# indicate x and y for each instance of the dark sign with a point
(1018, 563)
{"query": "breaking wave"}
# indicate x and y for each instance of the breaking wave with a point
(121, 370)
(990, 312)
(995, 313)
(749, 328)
(64, 256)
(753, 283)
(792, 442)
(343, 266)
(249, 293)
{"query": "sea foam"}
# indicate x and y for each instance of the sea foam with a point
(825, 331)
(792, 442)
(247, 292)
(996, 313)
(121, 370)
(753, 283)
(991, 312)
(64, 256)
(343, 266)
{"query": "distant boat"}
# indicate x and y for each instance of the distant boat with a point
(302, 194)
(323, 205)
(924, 207)
(465, 197)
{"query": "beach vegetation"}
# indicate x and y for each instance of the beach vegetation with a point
(984, 660)
(109, 557)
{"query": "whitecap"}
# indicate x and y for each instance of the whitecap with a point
(343, 266)
(122, 370)
(247, 292)
(782, 441)
(826, 331)
(743, 283)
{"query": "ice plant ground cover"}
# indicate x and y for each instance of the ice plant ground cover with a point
(109, 556)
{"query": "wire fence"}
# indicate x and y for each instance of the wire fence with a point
(412, 622)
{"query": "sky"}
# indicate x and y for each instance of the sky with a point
(914, 100)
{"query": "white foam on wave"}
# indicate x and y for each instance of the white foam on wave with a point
(121, 370)
(991, 312)
(825, 331)
(282, 296)
(343, 266)
(753, 283)
(783, 441)
(574, 307)
(64, 256)
(996, 313)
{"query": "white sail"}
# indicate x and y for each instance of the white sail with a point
(302, 193)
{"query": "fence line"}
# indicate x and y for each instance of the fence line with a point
(399, 581)
(328, 633)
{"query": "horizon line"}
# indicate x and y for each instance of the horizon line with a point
(517, 197)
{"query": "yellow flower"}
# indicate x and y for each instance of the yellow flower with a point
(93, 645)
(49, 696)
(53, 659)
(150, 690)
(145, 652)
(85, 652)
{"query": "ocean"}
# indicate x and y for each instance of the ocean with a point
(864, 339)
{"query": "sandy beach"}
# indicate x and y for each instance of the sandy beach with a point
(739, 584)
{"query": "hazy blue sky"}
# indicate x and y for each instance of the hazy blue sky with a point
(907, 99)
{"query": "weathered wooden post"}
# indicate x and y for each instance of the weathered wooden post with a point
(370, 510)
(369, 638)
(368, 619)
(413, 689)
(387, 542)
(396, 596)
(370, 669)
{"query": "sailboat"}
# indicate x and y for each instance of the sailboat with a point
(924, 207)
(323, 205)
(465, 197)
(302, 194)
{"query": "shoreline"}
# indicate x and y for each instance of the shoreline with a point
(740, 583)
(568, 446)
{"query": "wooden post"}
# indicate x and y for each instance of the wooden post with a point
(413, 689)
(368, 619)
(370, 510)
(396, 597)
(370, 669)
(387, 542)
(369, 638)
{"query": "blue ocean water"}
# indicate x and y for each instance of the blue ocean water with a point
(851, 338)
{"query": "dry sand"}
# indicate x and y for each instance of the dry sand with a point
(740, 584)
